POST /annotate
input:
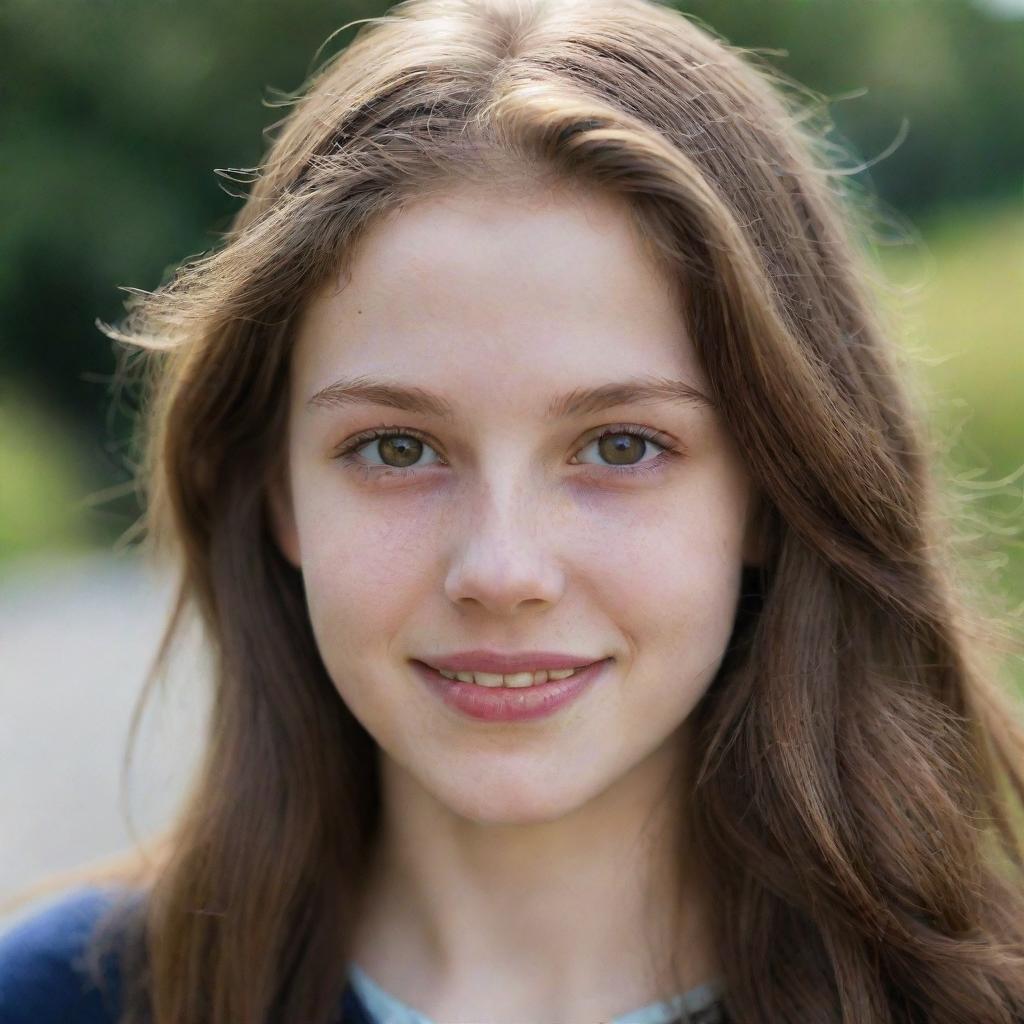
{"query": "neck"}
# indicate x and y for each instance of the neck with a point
(582, 918)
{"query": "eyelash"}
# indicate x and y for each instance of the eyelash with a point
(348, 452)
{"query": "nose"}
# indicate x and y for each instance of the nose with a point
(502, 555)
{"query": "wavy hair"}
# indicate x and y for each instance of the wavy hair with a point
(857, 765)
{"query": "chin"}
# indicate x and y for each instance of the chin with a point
(510, 799)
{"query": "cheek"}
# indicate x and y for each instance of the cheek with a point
(669, 575)
(364, 567)
(674, 561)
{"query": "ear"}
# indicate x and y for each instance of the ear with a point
(281, 514)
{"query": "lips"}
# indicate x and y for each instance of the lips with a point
(504, 704)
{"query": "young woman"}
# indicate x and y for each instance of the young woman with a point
(588, 642)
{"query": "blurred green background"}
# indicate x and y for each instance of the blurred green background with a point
(116, 113)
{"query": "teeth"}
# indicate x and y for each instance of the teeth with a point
(516, 679)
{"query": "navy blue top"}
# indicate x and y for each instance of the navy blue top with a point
(43, 978)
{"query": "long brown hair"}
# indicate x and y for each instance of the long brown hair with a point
(857, 761)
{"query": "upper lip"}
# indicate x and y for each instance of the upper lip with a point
(506, 664)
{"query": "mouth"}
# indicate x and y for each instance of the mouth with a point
(488, 702)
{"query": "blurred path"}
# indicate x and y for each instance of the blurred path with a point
(77, 634)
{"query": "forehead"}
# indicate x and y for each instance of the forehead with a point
(534, 286)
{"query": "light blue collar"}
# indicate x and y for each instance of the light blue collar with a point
(386, 1009)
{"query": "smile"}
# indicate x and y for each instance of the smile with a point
(511, 702)
(514, 680)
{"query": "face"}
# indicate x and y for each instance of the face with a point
(612, 533)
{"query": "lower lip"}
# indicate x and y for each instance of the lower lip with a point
(507, 703)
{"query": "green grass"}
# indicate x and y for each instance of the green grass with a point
(966, 311)
(43, 483)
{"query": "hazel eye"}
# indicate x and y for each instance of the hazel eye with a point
(397, 449)
(625, 447)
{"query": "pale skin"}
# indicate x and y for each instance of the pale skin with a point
(516, 858)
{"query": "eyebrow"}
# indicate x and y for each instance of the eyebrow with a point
(579, 402)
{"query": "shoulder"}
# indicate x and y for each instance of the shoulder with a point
(44, 978)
